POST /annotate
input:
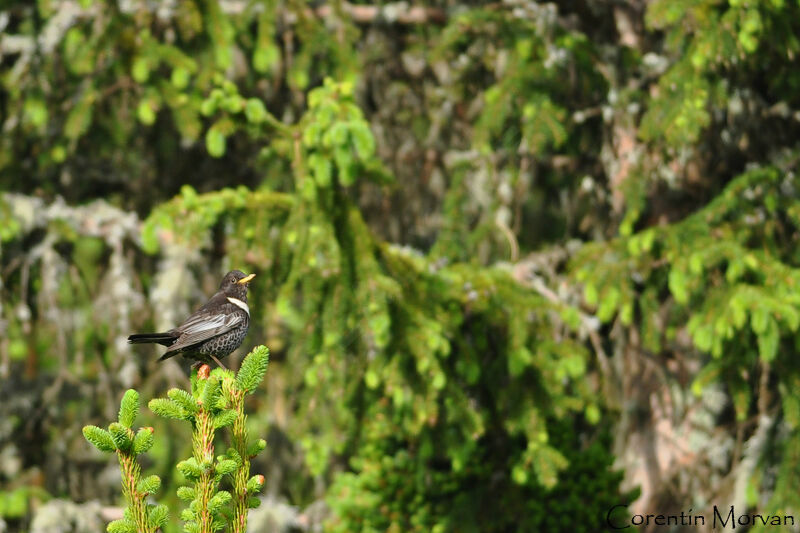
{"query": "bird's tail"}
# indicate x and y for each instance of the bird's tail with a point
(165, 339)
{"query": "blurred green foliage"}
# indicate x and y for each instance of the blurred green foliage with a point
(392, 490)
(473, 227)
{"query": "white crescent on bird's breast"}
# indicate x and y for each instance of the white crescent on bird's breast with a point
(240, 304)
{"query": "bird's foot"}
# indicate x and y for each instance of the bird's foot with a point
(219, 363)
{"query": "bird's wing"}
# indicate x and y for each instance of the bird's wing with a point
(214, 318)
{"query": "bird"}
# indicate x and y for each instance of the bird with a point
(213, 331)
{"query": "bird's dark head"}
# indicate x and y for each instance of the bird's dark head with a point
(235, 283)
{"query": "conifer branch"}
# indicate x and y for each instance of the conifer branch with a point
(216, 401)
(139, 516)
(250, 375)
(207, 410)
(203, 453)
(252, 370)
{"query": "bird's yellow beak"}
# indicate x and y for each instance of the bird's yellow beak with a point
(246, 279)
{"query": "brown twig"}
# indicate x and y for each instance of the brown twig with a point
(589, 324)
(511, 238)
(393, 13)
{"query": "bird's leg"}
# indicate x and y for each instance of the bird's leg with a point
(219, 363)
